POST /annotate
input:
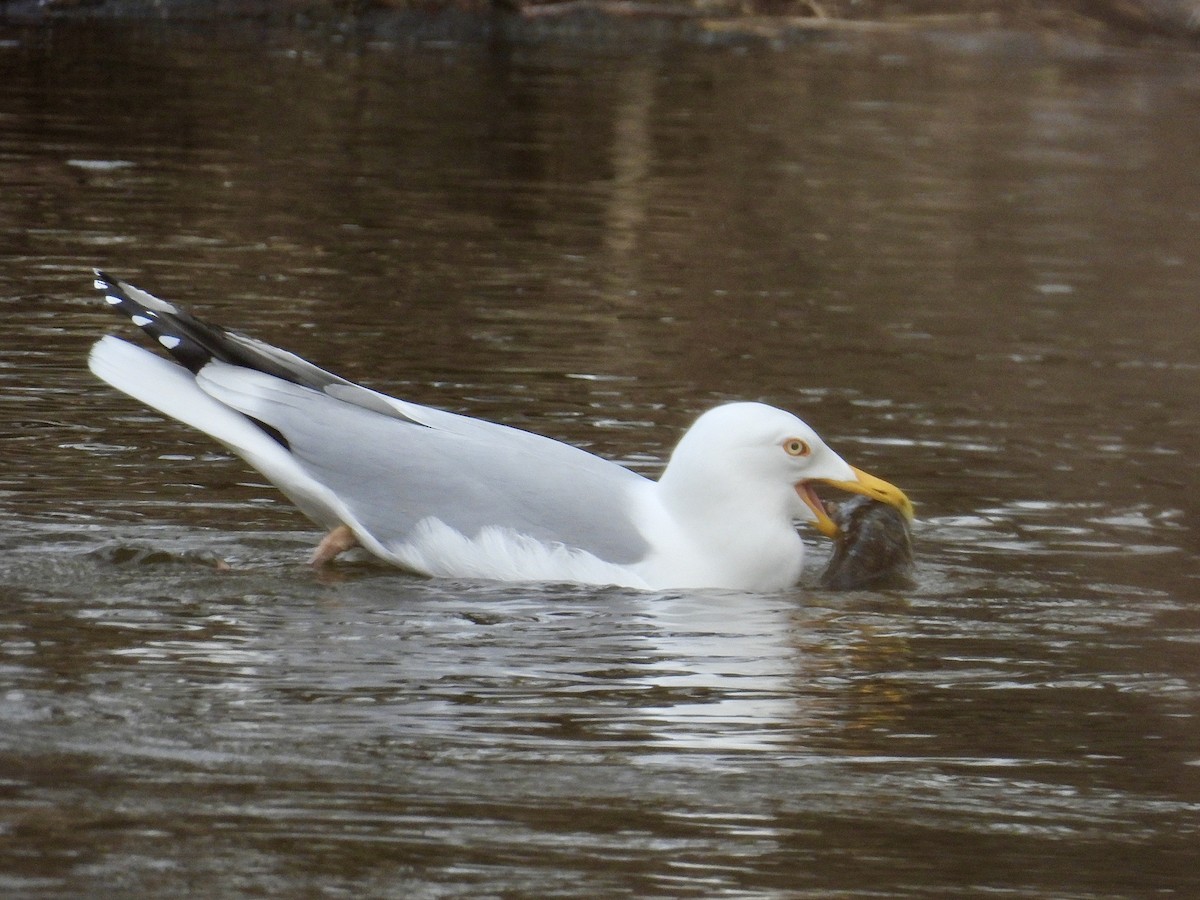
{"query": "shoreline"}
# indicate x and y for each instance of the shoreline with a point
(1176, 21)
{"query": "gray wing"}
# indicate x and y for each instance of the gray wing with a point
(395, 464)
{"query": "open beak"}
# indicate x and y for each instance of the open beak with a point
(864, 483)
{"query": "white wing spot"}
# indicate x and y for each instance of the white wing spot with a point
(169, 341)
(141, 321)
(113, 300)
(99, 285)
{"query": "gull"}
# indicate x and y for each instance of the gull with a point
(442, 494)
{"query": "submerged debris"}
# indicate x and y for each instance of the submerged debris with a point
(123, 554)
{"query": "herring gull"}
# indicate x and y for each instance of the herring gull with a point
(443, 494)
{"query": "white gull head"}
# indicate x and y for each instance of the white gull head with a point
(724, 512)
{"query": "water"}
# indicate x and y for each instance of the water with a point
(969, 261)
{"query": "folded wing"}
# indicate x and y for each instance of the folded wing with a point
(347, 454)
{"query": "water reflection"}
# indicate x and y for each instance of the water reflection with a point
(963, 263)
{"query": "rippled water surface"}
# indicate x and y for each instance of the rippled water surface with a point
(970, 261)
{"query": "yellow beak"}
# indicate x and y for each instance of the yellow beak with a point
(864, 483)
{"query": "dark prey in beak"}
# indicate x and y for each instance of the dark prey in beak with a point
(873, 548)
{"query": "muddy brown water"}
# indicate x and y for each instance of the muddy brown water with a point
(970, 261)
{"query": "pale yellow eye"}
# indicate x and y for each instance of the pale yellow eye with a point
(796, 447)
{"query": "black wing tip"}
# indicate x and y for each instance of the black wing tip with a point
(195, 343)
(163, 325)
(105, 282)
(170, 329)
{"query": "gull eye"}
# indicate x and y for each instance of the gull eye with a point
(796, 447)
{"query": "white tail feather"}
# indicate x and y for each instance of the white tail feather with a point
(173, 391)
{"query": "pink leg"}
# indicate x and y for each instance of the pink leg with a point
(341, 538)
